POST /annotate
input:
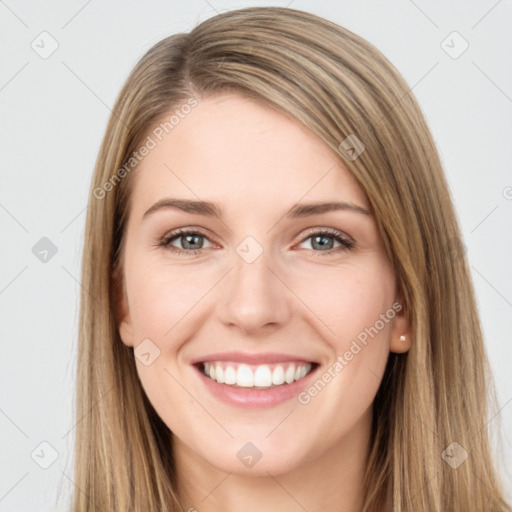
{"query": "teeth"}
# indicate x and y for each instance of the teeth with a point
(278, 375)
(289, 374)
(230, 375)
(261, 376)
(244, 376)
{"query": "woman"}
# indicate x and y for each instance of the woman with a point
(276, 313)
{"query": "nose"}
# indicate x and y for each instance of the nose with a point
(254, 296)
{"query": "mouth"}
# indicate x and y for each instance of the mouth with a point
(254, 380)
(257, 377)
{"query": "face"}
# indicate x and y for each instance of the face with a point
(293, 307)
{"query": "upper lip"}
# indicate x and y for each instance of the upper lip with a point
(242, 357)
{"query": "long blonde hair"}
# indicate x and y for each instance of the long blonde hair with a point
(337, 85)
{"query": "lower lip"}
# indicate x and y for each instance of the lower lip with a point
(253, 397)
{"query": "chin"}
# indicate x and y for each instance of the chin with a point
(254, 458)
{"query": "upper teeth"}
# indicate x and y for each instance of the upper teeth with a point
(256, 376)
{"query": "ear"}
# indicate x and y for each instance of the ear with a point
(122, 311)
(401, 340)
(126, 331)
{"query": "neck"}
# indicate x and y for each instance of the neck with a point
(332, 480)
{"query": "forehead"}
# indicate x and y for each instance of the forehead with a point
(242, 154)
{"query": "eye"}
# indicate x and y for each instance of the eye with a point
(190, 240)
(325, 239)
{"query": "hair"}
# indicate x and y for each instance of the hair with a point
(337, 85)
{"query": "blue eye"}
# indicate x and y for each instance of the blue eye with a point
(321, 239)
(189, 239)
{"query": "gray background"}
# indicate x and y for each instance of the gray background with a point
(53, 115)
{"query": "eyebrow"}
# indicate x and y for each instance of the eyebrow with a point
(212, 210)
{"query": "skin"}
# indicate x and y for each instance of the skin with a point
(255, 163)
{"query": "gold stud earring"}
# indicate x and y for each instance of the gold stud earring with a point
(402, 338)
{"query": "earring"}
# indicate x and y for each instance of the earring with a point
(402, 338)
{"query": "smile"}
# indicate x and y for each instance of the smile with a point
(255, 376)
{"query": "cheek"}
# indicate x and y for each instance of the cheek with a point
(348, 299)
(351, 302)
(161, 298)
(352, 309)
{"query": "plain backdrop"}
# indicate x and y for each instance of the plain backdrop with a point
(53, 112)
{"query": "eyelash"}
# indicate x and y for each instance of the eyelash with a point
(346, 244)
